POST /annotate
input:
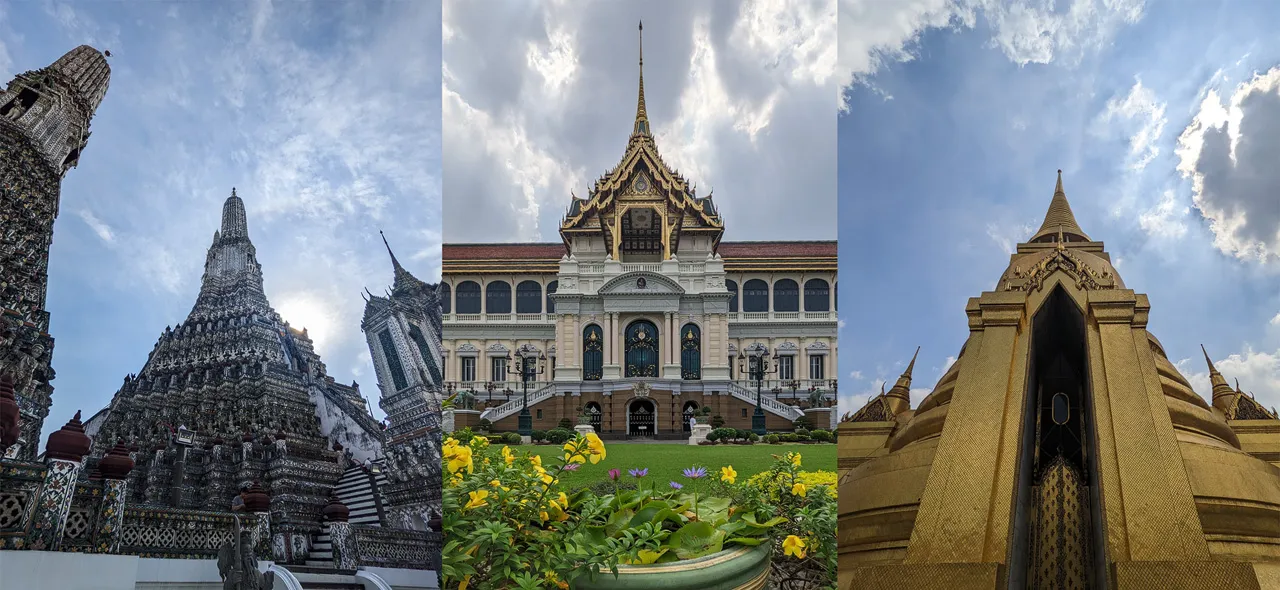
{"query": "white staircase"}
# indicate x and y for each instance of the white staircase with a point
(770, 404)
(359, 495)
(517, 403)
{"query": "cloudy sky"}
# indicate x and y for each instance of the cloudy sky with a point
(1164, 118)
(539, 99)
(324, 116)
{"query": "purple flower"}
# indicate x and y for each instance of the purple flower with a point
(572, 466)
(675, 486)
(614, 473)
(695, 472)
(639, 473)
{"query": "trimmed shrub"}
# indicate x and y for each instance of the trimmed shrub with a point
(558, 436)
(512, 438)
(772, 439)
(803, 422)
(717, 421)
(484, 425)
(566, 424)
(538, 435)
(822, 436)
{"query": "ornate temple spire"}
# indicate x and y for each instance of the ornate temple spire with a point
(1059, 220)
(234, 223)
(394, 263)
(1223, 395)
(87, 71)
(642, 117)
(899, 396)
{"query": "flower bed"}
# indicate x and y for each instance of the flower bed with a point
(510, 522)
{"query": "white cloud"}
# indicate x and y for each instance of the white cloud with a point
(1257, 371)
(874, 33)
(1275, 321)
(1141, 115)
(1167, 219)
(1228, 152)
(1008, 236)
(101, 229)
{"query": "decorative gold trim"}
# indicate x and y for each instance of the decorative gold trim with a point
(685, 566)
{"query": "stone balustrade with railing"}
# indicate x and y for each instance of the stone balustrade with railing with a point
(391, 548)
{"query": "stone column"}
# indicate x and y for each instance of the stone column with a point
(340, 537)
(65, 453)
(258, 503)
(115, 468)
(9, 417)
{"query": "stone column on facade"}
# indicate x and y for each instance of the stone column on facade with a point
(10, 414)
(340, 537)
(115, 467)
(258, 503)
(64, 453)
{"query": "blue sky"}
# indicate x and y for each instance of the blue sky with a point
(324, 116)
(1163, 118)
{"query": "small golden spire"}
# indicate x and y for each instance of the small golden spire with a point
(899, 396)
(1223, 395)
(1059, 218)
(642, 117)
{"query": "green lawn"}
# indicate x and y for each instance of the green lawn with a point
(666, 462)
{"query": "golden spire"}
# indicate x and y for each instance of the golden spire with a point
(899, 396)
(1059, 220)
(642, 117)
(1223, 395)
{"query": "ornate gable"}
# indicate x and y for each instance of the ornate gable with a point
(642, 180)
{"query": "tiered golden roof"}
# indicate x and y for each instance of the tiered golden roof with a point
(642, 178)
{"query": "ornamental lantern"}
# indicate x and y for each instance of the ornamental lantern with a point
(256, 499)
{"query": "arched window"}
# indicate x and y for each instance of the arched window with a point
(786, 295)
(528, 297)
(446, 300)
(690, 352)
(733, 291)
(755, 296)
(642, 349)
(497, 297)
(817, 296)
(551, 288)
(592, 353)
(468, 297)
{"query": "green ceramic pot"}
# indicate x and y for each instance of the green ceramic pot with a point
(739, 568)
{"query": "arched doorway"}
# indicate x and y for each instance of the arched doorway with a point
(641, 418)
(642, 349)
(690, 409)
(593, 414)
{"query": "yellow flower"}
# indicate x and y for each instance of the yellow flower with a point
(479, 442)
(795, 459)
(564, 500)
(507, 455)
(536, 460)
(543, 515)
(460, 458)
(728, 475)
(595, 447)
(477, 499)
(798, 490)
(793, 545)
(572, 458)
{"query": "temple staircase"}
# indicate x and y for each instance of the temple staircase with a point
(358, 491)
(770, 404)
(517, 403)
(325, 578)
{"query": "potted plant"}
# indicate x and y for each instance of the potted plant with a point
(510, 523)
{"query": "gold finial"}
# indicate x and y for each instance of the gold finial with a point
(642, 117)
(1058, 189)
(1059, 217)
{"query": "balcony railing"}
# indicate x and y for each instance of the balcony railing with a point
(782, 316)
(500, 318)
(789, 392)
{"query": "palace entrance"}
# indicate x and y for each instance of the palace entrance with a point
(640, 418)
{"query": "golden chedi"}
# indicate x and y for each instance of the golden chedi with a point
(1062, 449)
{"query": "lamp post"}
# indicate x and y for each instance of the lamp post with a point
(525, 424)
(489, 387)
(759, 367)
